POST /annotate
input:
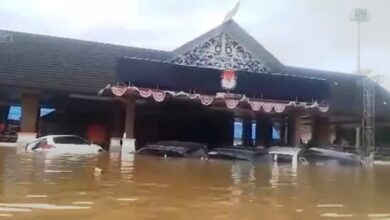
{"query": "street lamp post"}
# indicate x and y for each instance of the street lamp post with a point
(368, 117)
(359, 15)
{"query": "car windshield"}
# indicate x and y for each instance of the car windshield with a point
(69, 140)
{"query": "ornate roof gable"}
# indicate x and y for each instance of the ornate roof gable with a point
(221, 52)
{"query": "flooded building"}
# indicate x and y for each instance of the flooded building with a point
(222, 88)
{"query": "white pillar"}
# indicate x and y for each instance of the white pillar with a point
(357, 143)
(128, 141)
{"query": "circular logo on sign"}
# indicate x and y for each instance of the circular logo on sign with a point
(228, 79)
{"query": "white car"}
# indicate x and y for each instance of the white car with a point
(63, 144)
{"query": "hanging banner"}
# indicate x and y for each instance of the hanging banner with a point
(231, 100)
(181, 93)
(323, 109)
(256, 106)
(231, 103)
(119, 90)
(145, 93)
(158, 96)
(193, 96)
(228, 79)
(279, 107)
(206, 100)
(268, 107)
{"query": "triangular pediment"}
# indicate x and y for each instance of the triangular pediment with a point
(227, 46)
(222, 52)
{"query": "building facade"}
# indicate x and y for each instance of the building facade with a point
(202, 91)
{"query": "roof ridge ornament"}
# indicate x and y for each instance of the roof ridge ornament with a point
(229, 16)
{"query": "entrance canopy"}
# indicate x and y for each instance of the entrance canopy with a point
(168, 76)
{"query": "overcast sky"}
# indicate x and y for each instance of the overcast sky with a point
(306, 33)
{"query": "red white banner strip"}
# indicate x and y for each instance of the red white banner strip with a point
(206, 100)
(119, 90)
(231, 100)
(193, 96)
(323, 108)
(158, 96)
(279, 107)
(145, 93)
(256, 106)
(267, 106)
(231, 103)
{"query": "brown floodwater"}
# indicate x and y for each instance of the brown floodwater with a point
(35, 186)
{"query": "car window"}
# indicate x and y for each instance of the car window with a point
(39, 144)
(69, 140)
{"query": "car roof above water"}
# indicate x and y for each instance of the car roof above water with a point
(53, 136)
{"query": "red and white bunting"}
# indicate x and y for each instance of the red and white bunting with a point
(206, 100)
(181, 93)
(158, 96)
(279, 107)
(145, 93)
(231, 100)
(231, 103)
(256, 106)
(323, 108)
(268, 107)
(119, 90)
(172, 93)
(193, 96)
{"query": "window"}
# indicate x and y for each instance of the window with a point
(69, 140)
(238, 129)
(276, 130)
(15, 112)
(238, 132)
(39, 144)
(253, 135)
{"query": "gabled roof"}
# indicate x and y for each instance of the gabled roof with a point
(62, 64)
(239, 34)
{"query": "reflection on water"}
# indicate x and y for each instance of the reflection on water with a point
(115, 186)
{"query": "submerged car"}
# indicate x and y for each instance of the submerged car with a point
(63, 144)
(237, 153)
(175, 149)
(329, 155)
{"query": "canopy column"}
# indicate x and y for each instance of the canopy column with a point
(117, 127)
(294, 129)
(128, 141)
(247, 132)
(264, 132)
(321, 131)
(30, 112)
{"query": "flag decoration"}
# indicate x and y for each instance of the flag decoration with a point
(255, 106)
(206, 100)
(119, 90)
(279, 107)
(231, 100)
(158, 96)
(231, 103)
(145, 93)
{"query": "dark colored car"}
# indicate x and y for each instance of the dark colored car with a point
(237, 153)
(175, 149)
(9, 131)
